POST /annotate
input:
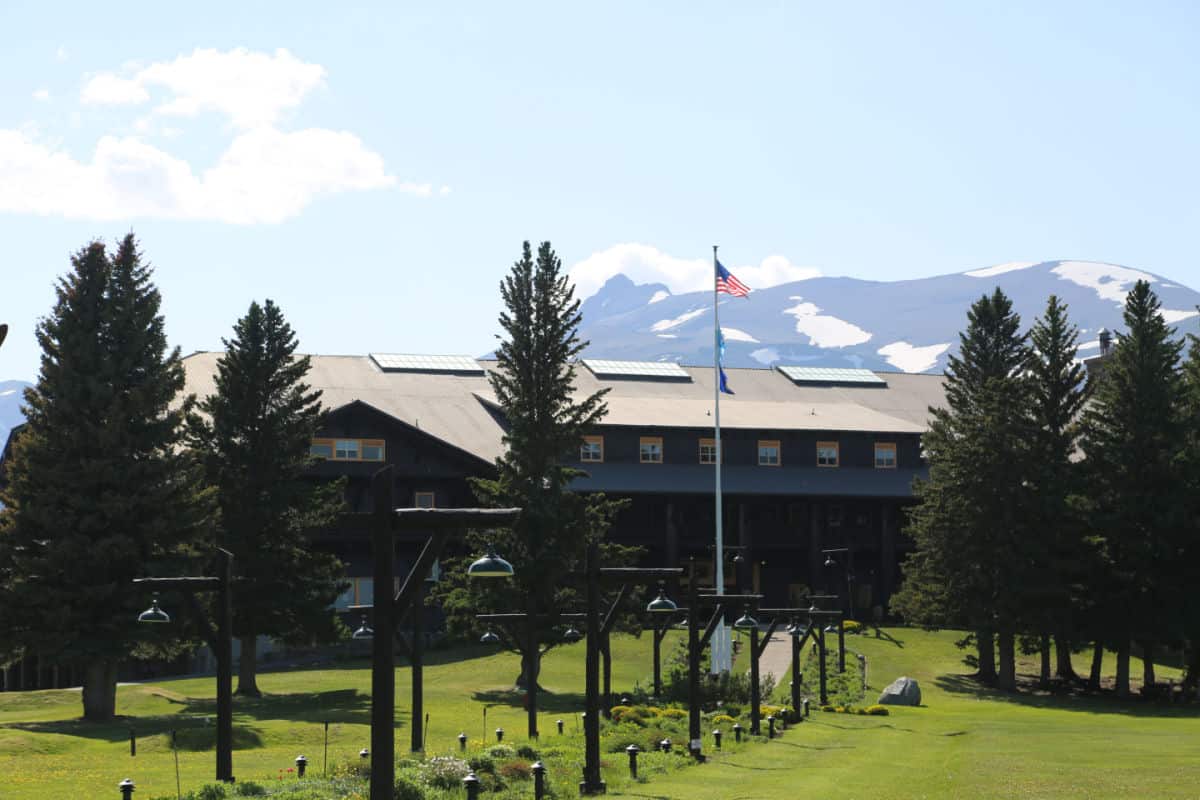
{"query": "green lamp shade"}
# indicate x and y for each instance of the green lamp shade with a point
(154, 613)
(489, 638)
(490, 566)
(798, 630)
(661, 604)
(363, 633)
(572, 635)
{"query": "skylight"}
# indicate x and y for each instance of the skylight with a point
(399, 362)
(656, 370)
(828, 375)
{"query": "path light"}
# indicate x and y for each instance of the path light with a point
(462, 742)
(471, 783)
(717, 737)
(301, 763)
(126, 787)
(490, 566)
(737, 731)
(539, 779)
(745, 622)
(633, 751)
(154, 613)
(364, 632)
(662, 604)
(571, 635)
(489, 637)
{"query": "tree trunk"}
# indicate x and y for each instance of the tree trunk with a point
(100, 691)
(1191, 678)
(1097, 666)
(987, 656)
(527, 667)
(1064, 669)
(248, 668)
(1147, 667)
(1045, 676)
(1123, 668)
(1008, 665)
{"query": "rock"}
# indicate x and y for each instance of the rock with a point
(901, 692)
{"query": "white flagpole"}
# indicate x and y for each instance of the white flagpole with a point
(720, 661)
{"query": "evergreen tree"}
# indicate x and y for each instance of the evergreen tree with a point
(1130, 438)
(100, 490)
(534, 383)
(1187, 551)
(1057, 388)
(254, 441)
(971, 538)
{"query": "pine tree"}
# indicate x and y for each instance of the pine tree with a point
(1187, 549)
(969, 533)
(1131, 433)
(534, 383)
(100, 490)
(1057, 389)
(254, 441)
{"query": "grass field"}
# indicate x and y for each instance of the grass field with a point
(963, 742)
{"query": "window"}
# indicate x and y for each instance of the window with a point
(348, 449)
(827, 454)
(650, 450)
(424, 500)
(708, 451)
(885, 455)
(592, 449)
(768, 452)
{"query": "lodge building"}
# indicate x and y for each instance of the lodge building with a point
(812, 458)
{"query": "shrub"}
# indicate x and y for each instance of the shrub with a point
(405, 788)
(830, 709)
(482, 764)
(445, 772)
(213, 791)
(723, 719)
(769, 711)
(877, 710)
(673, 713)
(355, 768)
(249, 789)
(525, 751)
(501, 751)
(515, 771)
(852, 626)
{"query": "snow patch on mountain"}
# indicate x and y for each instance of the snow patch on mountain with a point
(1000, 269)
(823, 330)
(1108, 280)
(658, 296)
(667, 336)
(1174, 315)
(735, 335)
(765, 355)
(667, 324)
(908, 358)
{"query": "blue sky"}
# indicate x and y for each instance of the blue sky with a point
(374, 169)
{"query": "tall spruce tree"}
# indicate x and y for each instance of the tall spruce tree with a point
(254, 439)
(968, 527)
(100, 490)
(1131, 432)
(534, 382)
(1188, 550)
(1057, 389)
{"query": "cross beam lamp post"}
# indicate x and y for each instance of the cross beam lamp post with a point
(386, 520)
(219, 638)
(623, 577)
(662, 620)
(830, 563)
(799, 633)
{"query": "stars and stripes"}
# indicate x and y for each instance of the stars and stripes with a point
(729, 284)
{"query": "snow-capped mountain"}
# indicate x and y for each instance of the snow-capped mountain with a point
(909, 326)
(12, 394)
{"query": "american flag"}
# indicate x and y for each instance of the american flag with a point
(728, 284)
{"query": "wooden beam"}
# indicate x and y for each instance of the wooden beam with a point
(184, 584)
(409, 519)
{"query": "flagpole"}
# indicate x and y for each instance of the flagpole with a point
(720, 662)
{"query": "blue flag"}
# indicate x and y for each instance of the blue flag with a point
(724, 383)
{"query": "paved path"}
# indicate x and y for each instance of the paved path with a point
(777, 658)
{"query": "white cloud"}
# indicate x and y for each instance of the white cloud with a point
(107, 89)
(908, 358)
(250, 88)
(823, 330)
(765, 355)
(61, 53)
(42, 95)
(264, 176)
(265, 173)
(644, 263)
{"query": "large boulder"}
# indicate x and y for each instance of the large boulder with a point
(901, 692)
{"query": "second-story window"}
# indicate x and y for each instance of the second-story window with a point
(885, 455)
(592, 449)
(650, 450)
(424, 499)
(708, 451)
(827, 454)
(348, 449)
(768, 453)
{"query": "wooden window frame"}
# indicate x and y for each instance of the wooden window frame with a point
(650, 440)
(837, 454)
(886, 446)
(322, 443)
(764, 443)
(599, 440)
(331, 443)
(700, 451)
(432, 499)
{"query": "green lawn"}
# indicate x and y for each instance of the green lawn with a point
(963, 742)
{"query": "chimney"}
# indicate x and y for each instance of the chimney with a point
(1105, 341)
